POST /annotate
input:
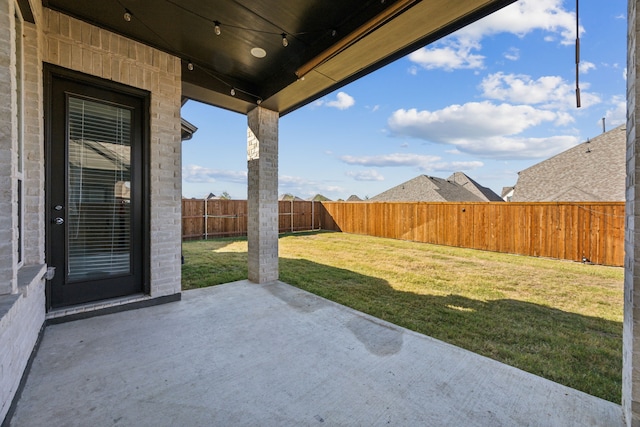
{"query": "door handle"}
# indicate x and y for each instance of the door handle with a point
(59, 221)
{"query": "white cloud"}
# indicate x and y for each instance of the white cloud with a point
(367, 175)
(616, 115)
(546, 91)
(458, 166)
(455, 55)
(286, 180)
(342, 102)
(586, 66)
(391, 160)
(525, 16)
(459, 51)
(564, 119)
(422, 162)
(195, 174)
(483, 129)
(516, 148)
(482, 119)
(513, 54)
(301, 186)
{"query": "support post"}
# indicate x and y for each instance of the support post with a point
(262, 200)
(8, 151)
(631, 324)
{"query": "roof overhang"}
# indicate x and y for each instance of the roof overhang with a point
(330, 44)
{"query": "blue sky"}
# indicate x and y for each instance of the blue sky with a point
(489, 100)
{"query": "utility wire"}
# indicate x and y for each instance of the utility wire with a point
(577, 56)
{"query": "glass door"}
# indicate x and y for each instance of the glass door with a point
(94, 195)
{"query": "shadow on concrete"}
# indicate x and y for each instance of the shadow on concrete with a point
(579, 351)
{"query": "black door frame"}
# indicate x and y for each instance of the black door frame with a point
(53, 72)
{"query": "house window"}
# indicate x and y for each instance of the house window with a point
(20, 130)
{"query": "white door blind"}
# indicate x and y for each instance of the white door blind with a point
(99, 194)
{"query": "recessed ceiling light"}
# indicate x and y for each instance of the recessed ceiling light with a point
(258, 52)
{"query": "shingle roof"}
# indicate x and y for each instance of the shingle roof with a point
(289, 197)
(320, 198)
(354, 198)
(592, 171)
(458, 188)
(484, 193)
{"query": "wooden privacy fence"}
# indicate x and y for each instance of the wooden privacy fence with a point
(594, 230)
(202, 219)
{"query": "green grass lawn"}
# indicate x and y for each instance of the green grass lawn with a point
(558, 319)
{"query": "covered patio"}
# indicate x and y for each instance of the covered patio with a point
(247, 353)
(274, 355)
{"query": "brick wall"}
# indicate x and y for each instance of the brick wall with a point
(21, 318)
(67, 42)
(79, 46)
(22, 296)
(8, 144)
(631, 334)
(262, 200)
(33, 150)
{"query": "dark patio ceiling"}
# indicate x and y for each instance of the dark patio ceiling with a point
(330, 43)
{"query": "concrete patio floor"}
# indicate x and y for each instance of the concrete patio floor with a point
(242, 354)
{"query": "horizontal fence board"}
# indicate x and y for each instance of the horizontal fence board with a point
(564, 230)
(202, 219)
(571, 230)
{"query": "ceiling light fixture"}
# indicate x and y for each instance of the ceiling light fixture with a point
(216, 28)
(285, 42)
(258, 52)
(341, 45)
(232, 89)
(127, 15)
(190, 66)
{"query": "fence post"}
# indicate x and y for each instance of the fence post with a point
(313, 219)
(206, 216)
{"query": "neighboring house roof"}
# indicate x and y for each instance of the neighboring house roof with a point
(484, 193)
(457, 188)
(354, 198)
(592, 171)
(319, 198)
(506, 191)
(290, 197)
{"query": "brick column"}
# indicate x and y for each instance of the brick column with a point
(8, 152)
(631, 333)
(262, 200)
